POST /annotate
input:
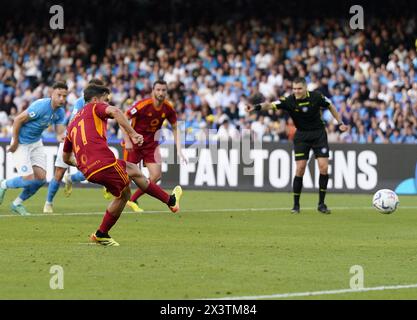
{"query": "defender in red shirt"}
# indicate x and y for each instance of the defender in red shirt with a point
(147, 117)
(86, 138)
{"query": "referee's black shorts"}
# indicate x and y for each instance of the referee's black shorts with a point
(304, 141)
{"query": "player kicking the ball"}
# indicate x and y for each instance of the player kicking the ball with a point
(86, 138)
(61, 167)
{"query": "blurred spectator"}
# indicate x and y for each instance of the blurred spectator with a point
(409, 136)
(332, 134)
(214, 69)
(7, 105)
(259, 127)
(290, 129)
(227, 131)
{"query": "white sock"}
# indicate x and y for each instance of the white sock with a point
(17, 201)
(3, 184)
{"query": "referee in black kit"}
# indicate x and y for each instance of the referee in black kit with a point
(305, 108)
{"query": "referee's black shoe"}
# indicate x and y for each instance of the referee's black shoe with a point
(295, 209)
(323, 208)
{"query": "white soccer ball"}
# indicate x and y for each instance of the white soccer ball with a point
(385, 201)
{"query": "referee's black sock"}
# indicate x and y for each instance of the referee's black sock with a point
(323, 180)
(296, 187)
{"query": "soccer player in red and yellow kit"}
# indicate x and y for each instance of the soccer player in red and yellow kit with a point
(86, 138)
(147, 117)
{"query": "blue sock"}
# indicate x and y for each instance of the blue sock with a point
(77, 177)
(52, 190)
(31, 189)
(18, 182)
(27, 192)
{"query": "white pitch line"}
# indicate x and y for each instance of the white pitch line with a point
(318, 293)
(191, 211)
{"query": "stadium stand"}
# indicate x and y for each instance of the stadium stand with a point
(215, 65)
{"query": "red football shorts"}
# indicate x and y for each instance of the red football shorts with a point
(148, 155)
(114, 178)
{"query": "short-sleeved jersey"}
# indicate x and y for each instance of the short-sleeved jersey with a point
(148, 119)
(306, 113)
(78, 105)
(41, 116)
(86, 137)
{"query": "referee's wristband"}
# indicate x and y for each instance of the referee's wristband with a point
(257, 107)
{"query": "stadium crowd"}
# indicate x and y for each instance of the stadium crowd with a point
(213, 70)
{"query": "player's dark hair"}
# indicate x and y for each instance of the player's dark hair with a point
(160, 81)
(94, 90)
(300, 80)
(60, 85)
(96, 81)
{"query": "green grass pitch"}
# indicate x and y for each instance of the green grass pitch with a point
(222, 244)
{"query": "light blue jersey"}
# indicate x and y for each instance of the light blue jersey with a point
(79, 104)
(41, 116)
